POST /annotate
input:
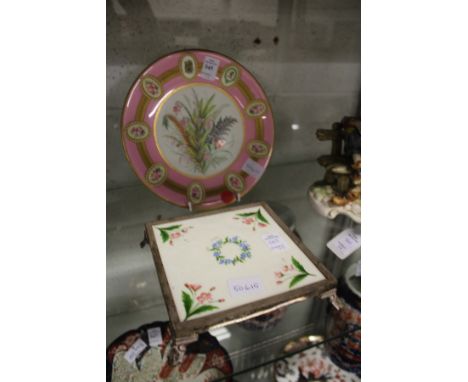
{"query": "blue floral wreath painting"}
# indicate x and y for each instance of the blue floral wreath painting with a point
(244, 250)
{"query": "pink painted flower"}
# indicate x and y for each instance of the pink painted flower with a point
(203, 297)
(285, 268)
(257, 108)
(137, 131)
(175, 235)
(279, 282)
(219, 143)
(151, 88)
(177, 107)
(235, 182)
(221, 300)
(193, 287)
(278, 274)
(262, 224)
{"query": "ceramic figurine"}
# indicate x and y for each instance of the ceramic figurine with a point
(340, 190)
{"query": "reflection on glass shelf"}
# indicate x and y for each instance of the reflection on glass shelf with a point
(221, 334)
(133, 293)
(311, 362)
(254, 353)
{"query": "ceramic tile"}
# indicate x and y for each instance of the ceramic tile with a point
(230, 259)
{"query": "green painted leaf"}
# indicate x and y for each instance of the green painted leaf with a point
(297, 279)
(192, 141)
(197, 101)
(188, 112)
(191, 152)
(261, 217)
(194, 116)
(247, 214)
(172, 227)
(187, 300)
(206, 106)
(204, 137)
(164, 235)
(200, 108)
(298, 265)
(203, 309)
(210, 110)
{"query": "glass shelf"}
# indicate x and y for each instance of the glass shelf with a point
(253, 353)
(134, 296)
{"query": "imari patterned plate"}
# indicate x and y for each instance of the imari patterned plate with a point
(311, 365)
(197, 129)
(203, 361)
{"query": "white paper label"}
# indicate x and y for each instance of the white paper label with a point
(245, 287)
(155, 337)
(252, 168)
(210, 68)
(345, 243)
(275, 242)
(135, 350)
